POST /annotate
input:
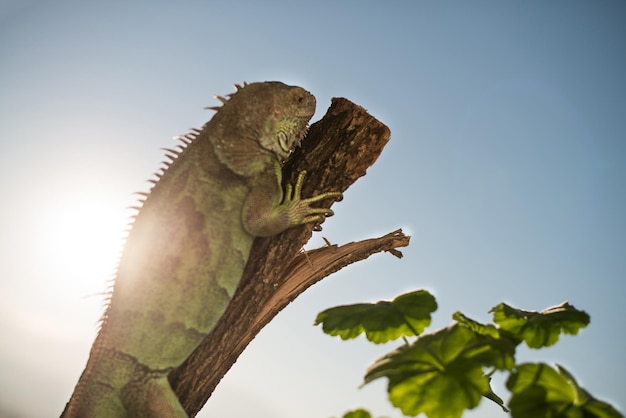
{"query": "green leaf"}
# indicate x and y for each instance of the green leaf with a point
(406, 315)
(358, 413)
(542, 391)
(475, 326)
(540, 329)
(441, 374)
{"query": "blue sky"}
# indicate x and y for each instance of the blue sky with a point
(506, 165)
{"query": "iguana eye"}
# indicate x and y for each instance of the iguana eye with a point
(283, 141)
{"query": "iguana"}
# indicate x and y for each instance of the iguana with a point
(188, 245)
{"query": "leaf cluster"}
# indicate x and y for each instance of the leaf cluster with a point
(445, 372)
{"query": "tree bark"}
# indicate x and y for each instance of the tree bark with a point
(336, 152)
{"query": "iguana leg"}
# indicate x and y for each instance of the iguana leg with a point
(152, 397)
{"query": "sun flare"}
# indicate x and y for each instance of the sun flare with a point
(84, 240)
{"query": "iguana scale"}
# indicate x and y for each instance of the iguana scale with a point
(188, 246)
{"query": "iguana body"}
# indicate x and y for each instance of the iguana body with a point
(188, 247)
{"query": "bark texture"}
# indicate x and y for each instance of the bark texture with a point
(336, 152)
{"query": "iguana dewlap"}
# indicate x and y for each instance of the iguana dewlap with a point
(188, 247)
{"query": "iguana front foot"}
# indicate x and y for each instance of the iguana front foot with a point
(299, 210)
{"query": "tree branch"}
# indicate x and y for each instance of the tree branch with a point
(337, 150)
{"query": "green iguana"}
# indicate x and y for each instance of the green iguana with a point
(188, 247)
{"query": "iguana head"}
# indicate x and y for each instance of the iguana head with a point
(292, 109)
(261, 119)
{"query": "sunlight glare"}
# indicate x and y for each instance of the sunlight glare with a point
(84, 240)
